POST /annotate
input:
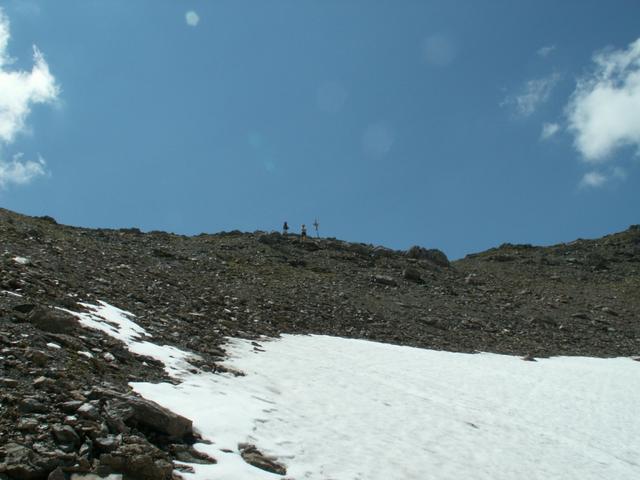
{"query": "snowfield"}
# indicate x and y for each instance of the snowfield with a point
(340, 409)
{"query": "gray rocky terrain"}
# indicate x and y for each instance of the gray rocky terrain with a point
(65, 404)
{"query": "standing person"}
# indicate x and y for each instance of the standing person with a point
(303, 233)
(285, 228)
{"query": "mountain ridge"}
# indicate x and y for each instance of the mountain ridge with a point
(578, 298)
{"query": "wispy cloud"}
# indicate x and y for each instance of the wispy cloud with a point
(546, 51)
(596, 179)
(593, 180)
(604, 110)
(534, 93)
(19, 171)
(192, 18)
(19, 91)
(549, 130)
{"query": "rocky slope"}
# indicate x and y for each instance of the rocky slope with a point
(65, 404)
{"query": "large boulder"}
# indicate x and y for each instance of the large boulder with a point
(22, 463)
(130, 410)
(54, 321)
(432, 254)
(155, 417)
(137, 461)
(412, 274)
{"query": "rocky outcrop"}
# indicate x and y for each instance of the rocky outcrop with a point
(432, 255)
(140, 412)
(50, 320)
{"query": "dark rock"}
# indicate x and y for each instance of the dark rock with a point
(57, 474)
(107, 444)
(384, 280)
(187, 454)
(44, 383)
(433, 255)
(137, 461)
(296, 262)
(24, 471)
(87, 410)
(272, 238)
(20, 463)
(70, 406)
(28, 424)
(610, 311)
(253, 456)
(24, 307)
(502, 257)
(130, 410)
(596, 261)
(160, 253)
(310, 246)
(37, 357)
(412, 274)
(158, 418)
(9, 382)
(48, 219)
(66, 434)
(54, 321)
(32, 405)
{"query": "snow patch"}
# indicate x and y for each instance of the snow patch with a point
(110, 320)
(333, 408)
(53, 345)
(22, 260)
(118, 324)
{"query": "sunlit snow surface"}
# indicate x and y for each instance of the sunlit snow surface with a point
(339, 409)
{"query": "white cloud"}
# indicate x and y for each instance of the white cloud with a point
(593, 179)
(604, 110)
(192, 18)
(546, 50)
(549, 130)
(596, 179)
(20, 172)
(4, 38)
(19, 91)
(534, 93)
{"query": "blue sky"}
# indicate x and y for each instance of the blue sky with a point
(458, 125)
